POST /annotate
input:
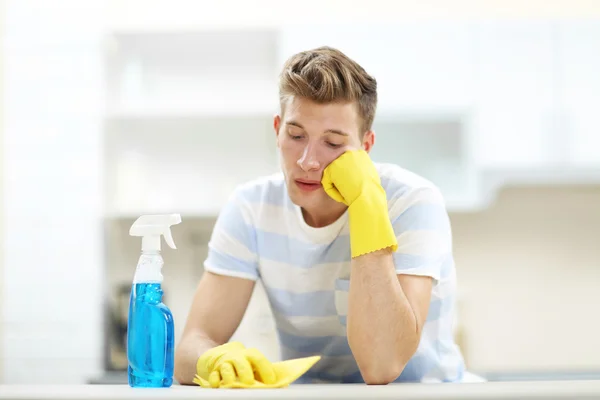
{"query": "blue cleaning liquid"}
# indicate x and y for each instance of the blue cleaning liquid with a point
(150, 338)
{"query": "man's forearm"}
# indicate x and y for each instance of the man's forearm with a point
(381, 324)
(191, 347)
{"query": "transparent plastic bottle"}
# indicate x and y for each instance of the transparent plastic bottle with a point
(150, 328)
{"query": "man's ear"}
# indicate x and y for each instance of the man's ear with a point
(368, 141)
(276, 126)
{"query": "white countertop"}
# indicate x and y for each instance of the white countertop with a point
(488, 390)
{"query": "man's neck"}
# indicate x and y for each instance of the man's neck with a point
(320, 220)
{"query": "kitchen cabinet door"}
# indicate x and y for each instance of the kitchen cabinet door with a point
(579, 50)
(515, 95)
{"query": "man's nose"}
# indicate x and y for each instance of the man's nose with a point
(309, 161)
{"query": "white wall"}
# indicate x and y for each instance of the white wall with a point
(52, 170)
(529, 277)
(2, 16)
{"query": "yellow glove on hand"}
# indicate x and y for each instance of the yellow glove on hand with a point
(231, 365)
(352, 179)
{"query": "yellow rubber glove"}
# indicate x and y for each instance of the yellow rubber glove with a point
(231, 365)
(352, 179)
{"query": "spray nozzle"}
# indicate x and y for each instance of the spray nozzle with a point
(151, 227)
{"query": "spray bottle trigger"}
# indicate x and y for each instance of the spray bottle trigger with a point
(169, 238)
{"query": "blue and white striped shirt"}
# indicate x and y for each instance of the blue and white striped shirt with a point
(261, 234)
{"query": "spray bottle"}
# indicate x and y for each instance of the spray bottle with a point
(150, 327)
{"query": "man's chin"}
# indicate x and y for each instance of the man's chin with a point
(305, 199)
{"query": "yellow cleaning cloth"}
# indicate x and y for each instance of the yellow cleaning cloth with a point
(231, 365)
(286, 372)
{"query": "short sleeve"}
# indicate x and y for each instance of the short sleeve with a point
(422, 227)
(232, 246)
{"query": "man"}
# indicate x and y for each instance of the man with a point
(356, 257)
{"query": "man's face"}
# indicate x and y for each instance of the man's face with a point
(310, 136)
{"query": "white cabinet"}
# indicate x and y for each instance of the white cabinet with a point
(579, 80)
(515, 93)
(189, 117)
(184, 165)
(209, 72)
(537, 102)
(458, 102)
(538, 96)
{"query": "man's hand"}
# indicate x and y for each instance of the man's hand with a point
(225, 364)
(349, 175)
(352, 179)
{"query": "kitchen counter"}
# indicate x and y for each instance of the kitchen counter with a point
(580, 389)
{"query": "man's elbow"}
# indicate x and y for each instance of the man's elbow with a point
(381, 373)
(385, 368)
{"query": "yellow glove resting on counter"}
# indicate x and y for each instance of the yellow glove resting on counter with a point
(231, 365)
(352, 179)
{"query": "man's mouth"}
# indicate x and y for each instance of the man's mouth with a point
(308, 185)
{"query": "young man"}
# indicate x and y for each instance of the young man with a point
(356, 257)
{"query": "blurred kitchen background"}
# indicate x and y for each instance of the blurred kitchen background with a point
(113, 109)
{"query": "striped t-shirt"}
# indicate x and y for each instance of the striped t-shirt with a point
(261, 234)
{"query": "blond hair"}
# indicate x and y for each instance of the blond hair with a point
(326, 75)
